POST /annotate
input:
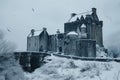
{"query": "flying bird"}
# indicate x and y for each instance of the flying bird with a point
(8, 30)
(33, 9)
(73, 14)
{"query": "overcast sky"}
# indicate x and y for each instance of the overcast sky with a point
(20, 16)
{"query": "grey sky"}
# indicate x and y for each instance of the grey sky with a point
(18, 17)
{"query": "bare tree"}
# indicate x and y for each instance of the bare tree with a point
(5, 46)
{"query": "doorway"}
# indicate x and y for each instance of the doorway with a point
(60, 49)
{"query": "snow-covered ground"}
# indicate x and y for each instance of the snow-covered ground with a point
(68, 69)
(10, 69)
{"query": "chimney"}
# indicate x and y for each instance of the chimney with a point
(58, 31)
(44, 29)
(94, 10)
(32, 32)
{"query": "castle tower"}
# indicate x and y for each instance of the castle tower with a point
(96, 28)
(43, 40)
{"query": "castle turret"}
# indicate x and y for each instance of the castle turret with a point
(32, 32)
(58, 31)
(94, 15)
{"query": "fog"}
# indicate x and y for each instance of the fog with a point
(18, 17)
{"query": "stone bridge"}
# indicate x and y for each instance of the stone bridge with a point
(30, 60)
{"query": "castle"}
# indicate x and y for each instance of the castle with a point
(80, 37)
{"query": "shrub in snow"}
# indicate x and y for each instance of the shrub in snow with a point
(71, 64)
(88, 67)
(108, 66)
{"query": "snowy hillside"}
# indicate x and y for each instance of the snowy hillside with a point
(10, 69)
(68, 69)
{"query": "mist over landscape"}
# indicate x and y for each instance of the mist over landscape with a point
(19, 17)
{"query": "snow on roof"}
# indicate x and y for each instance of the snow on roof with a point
(36, 33)
(72, 33)
(83, 26)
